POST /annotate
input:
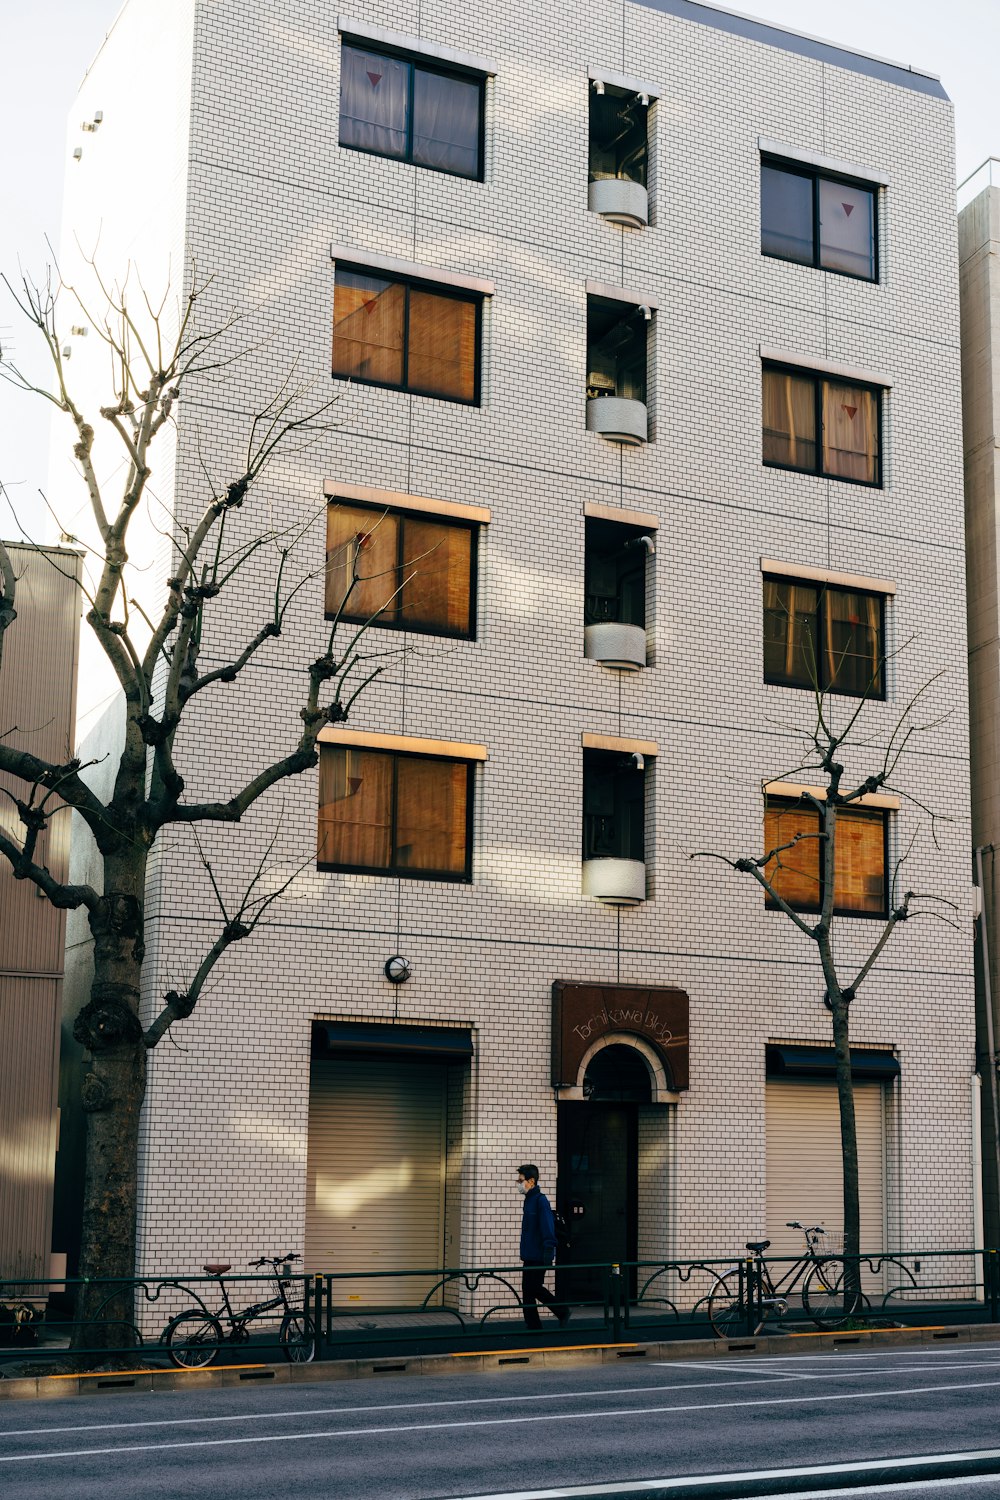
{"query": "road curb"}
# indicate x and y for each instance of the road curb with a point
(554, 1357)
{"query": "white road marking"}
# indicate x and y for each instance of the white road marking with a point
(634, 1390)
(521, 1418)
(341, 1411)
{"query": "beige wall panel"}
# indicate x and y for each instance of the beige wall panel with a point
(29, 1036)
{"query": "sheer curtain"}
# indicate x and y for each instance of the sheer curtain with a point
(854, 641)
(847, 229)
(446, 123)
(374, 100)
(368, 320)
(859, 876)
(789, 420)
(355, 808)
(795, 872)
(437, 561)
(850, 432)
(431, 818)
(790, 632)
(374, 537)
(442, 346)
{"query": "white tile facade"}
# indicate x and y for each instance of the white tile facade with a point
(267, 189)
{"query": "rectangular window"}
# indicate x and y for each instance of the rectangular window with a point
(411, 110)
(820, 424)
(821, 221)
(414, 572)
(819, 636)
(860, 861)
(388, 813)
(407, 335)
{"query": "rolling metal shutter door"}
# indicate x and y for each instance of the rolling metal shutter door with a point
(804, 1171)
(375, 1175)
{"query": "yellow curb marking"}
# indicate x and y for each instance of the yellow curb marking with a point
(110, 1374)
(534, 1349)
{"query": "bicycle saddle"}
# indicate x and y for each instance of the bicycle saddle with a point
(757, 1245)
(217, 1267)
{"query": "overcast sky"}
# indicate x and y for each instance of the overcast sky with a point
(46, 46)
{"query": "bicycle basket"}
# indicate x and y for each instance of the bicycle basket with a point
(830, 1242)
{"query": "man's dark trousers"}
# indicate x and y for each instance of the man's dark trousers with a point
(533, 1291)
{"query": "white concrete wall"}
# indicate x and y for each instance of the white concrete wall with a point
(269, 189)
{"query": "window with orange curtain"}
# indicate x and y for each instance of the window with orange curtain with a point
(821, 636)
(860, 857)
(821, 425)
(414, 572)
(386, 813)
(410, 336)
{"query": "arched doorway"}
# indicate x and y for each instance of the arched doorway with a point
(598, 1166)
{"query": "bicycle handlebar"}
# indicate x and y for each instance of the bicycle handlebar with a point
(277, 1260)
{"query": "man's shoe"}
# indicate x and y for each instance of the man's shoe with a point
(564, 1317)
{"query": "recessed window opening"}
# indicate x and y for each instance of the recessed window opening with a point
(819, 636)
(827, 222)
(406, 334)
(411, 110)
(619, 136)
(613, 806)
(615, 558)
(861, 840)
(616, 349)
(390, 813)
(821, 424)
(415, 572)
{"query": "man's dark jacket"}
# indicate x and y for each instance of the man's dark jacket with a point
(538, 1229)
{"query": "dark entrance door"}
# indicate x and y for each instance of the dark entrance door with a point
(597, 1144)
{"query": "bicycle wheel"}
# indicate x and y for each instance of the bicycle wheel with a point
(193, 1339)
(826, 1297)
(297, 1337)
(727, 1312)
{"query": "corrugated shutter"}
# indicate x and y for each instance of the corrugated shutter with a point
(29, 1084)
(376, 1175)
(804, 1169)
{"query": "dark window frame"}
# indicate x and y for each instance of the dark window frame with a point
(424, 284)
(391, 871)
(818, 378)
(815, 175)
(598, 544)
(416, 60)
(882, 814)
(823, 588)
(403, 511)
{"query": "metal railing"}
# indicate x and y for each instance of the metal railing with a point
(80, 1324)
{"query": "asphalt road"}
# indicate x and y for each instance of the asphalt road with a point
(518, 1430)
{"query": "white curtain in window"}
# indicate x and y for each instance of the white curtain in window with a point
(446, 123)
(374, 99)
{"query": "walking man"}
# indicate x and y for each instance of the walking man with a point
(538, 1248)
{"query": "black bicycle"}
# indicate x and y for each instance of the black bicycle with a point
(827, 1299)
(195, 1336)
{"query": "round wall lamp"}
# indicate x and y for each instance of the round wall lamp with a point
(397, 969)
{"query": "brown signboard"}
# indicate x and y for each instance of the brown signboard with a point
(583, 1013)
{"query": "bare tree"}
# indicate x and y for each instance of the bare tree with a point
(155, 652)
(831, 792)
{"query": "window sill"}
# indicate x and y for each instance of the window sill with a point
(616, 882)
(619, 202)
(620, 419)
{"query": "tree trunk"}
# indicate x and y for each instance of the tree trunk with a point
(848, 1141)
(113, 1090)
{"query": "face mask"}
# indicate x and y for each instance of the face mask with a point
(522, 1187)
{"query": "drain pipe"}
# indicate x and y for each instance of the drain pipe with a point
(984, 945)
(977, 1179)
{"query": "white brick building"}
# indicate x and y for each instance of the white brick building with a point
(797, 272)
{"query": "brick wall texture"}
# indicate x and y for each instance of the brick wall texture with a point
(259, 188)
